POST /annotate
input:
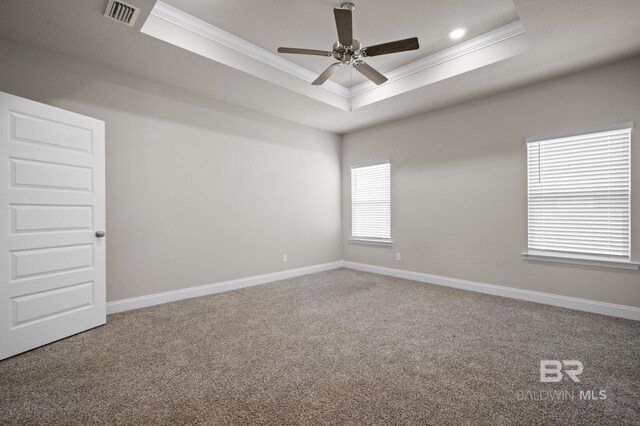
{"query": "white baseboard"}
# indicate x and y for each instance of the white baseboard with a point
(203, 290)
(621, 311)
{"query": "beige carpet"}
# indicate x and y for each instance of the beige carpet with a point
(339, 347)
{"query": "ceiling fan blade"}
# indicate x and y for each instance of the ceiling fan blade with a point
(393, 47)
(297, 51)
(369, 72)
(344, 24)
(326, 74)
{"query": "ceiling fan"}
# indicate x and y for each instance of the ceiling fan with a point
(349, 51)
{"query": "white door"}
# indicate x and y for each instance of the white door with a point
(52, 263)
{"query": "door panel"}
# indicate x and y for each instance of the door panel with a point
(28, 263)
(39, 174)
(37, 130)
(52, 266)
(43, 305)
(27, 218)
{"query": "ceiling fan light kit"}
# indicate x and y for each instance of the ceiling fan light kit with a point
(349, 51)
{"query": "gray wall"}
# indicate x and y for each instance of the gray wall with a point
(459, 201)
(197, 191)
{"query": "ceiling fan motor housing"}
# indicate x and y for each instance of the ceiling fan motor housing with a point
(347, 53)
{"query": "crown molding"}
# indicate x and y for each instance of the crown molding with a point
(205, 29)
(197, 26)
(482, 41)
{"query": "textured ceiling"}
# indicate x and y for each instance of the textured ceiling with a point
(310, 24)
(566, 36)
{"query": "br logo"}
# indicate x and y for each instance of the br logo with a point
(551, 370)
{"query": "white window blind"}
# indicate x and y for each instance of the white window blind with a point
(579, 194)
(371, 202)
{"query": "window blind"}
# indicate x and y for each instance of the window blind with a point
(579, 194)
(371, 202)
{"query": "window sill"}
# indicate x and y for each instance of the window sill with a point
(577, 259)
(371, 242)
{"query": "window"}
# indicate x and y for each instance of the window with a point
(579, 195)
(371, 204)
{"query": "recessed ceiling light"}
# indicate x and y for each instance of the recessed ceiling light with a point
(458, 33)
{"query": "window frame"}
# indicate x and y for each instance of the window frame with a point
(373, 241)
(575, 257)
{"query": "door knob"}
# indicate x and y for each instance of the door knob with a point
(100, 234)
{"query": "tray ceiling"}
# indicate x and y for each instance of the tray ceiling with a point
(73, 35)
(310, 24)
(425, 66)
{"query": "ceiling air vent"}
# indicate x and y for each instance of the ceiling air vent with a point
(121, 12)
